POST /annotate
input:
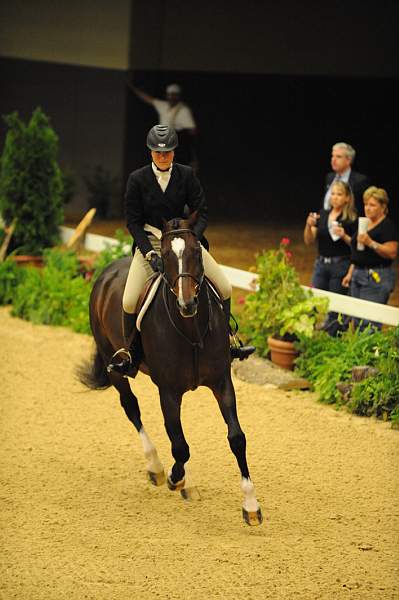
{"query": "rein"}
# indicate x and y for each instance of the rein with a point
(197, 344)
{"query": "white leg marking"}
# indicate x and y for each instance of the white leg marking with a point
(178, 245)
(250, 502)
(150, 452)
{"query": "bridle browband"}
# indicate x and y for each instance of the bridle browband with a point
(198, 282)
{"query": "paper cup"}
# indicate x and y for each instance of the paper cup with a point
(333, 235)
(362, 228)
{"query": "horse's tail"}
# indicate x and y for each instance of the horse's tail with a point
(93, 373)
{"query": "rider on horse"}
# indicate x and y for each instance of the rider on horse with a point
(156, 193)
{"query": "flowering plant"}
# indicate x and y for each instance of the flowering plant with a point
(280, 306)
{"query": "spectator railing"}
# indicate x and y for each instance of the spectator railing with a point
(362, 309)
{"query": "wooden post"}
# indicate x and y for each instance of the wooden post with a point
(80, 231)
(6, 242)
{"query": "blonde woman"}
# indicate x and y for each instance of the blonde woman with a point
(371, 275)
(333, 230)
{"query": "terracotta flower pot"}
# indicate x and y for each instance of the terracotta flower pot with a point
(25, 260)
(283, 353)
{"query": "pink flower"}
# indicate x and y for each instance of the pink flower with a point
(285, 241)
(288, 254)
(241, 300)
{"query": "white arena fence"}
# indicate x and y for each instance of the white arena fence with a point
(362, 309)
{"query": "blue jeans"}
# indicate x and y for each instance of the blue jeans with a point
(328, 276)
(365, 287)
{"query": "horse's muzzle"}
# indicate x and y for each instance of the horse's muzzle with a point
(189, 309)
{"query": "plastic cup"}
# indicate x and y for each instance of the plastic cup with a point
(334, 236)
(362, 228)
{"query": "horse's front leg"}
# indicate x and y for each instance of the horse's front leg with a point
(226, 398)
(171, 410)
(129, 403)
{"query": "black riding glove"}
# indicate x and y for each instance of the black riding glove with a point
(156, 263)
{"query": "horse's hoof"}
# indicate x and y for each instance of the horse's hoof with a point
(175, 486)
(156, 478)
(252, 518)
(190, 493)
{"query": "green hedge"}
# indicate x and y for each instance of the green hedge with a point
(57, 294)
(326, 360)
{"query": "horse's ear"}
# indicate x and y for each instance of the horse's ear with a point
(192, 219)
(164, 224)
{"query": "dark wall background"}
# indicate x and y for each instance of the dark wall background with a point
(272, 86)
(265, 140)
(289, 37)
(87, 108)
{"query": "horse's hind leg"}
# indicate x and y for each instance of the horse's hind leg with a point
(226, 398)
(130, 405)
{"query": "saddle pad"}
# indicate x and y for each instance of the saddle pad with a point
(148, 300)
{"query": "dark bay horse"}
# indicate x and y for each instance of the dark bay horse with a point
(185, 339)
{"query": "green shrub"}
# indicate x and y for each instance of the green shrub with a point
(59, 293)
(111, 253)
(280, 307)
(10, 277)
(56, 294)
(68, 185)
(326, 360)
(31, 183)
(103, 188)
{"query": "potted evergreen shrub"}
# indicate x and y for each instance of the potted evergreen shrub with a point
(103, 189)
(280, 311)
(31, 184)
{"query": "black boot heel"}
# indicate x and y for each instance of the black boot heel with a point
(241, 352)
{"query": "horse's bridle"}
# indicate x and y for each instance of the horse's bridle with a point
(198, 282)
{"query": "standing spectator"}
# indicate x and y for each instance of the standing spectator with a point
(333, 230)
(342, 158)
(371, 275)
(178, 115)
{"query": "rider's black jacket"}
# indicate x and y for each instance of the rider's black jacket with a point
(146, 203)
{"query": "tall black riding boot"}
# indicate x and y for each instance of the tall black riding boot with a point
(122, 361)
(237, 350)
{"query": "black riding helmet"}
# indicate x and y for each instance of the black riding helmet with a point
(162, 138)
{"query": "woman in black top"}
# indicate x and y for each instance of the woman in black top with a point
(333, 230)
(371, 275)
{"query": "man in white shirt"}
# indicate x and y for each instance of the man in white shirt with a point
(176, 114)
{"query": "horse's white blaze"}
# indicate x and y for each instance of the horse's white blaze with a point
(150, 452)
(250, 502)
(178, 245)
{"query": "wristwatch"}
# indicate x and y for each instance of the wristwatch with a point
(374, 246)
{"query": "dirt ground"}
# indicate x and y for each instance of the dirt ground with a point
(79, 520)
